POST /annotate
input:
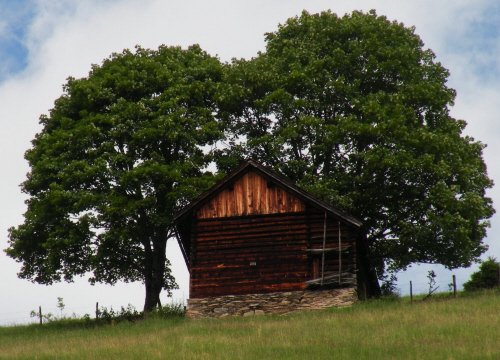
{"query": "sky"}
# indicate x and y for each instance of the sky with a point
(43, 42)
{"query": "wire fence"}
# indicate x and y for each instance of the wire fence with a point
(420, 288)
(403, 288)
(24, 317)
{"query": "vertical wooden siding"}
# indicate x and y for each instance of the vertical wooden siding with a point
(250, 195)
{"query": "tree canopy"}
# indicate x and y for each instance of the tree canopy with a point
(355, 110)
(119, 154)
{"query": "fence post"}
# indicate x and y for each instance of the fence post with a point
(411, 293)
(40, 314)
(97, 310)
(454, 286)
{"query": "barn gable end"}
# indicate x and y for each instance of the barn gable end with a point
(250, 194)
(255, 232)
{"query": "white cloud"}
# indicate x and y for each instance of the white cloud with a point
(4, 29)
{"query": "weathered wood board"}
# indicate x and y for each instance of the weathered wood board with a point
(256, 234)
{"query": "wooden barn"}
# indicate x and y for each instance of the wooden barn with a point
(255, 232)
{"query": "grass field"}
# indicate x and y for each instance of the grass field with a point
(440, 328)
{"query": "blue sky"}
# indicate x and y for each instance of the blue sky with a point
(478, 41)
(42, 42)
(15, 19)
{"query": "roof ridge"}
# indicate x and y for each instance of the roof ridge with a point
(281, 179)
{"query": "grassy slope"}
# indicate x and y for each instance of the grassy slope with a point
(463, 328)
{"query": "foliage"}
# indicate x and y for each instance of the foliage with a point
(60, 304)
(486, 278)
(351, 108)
(356, 111)
(389, 288)
(168, 311)
(119, 154)
(130, 314)
(50, 318)
(112, 317)
(431, 276)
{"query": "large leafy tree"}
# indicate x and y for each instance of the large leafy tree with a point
(119, 153)
(354, 109)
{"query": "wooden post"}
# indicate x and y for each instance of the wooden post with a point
(340, 256)
(323, 255)
(454, 286)
(40, 314)
(411, 293)
(97, 311)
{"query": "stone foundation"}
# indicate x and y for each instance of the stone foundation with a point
(272, 303)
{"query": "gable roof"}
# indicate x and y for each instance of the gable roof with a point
(274, 177)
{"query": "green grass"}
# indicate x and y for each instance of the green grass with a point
(442, 328)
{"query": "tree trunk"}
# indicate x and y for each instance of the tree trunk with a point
(155, 270)
(154, 285)
(368, 286)
(152, 296)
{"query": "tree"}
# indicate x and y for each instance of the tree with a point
(119, 154)
(356, 111)
(486, 278)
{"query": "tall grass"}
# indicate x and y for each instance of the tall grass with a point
(462, 328)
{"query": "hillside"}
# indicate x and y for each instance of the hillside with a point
(441, 328)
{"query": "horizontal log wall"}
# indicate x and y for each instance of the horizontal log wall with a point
(261, 254)
(251, 194)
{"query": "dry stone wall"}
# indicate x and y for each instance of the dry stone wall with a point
(272, 303)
